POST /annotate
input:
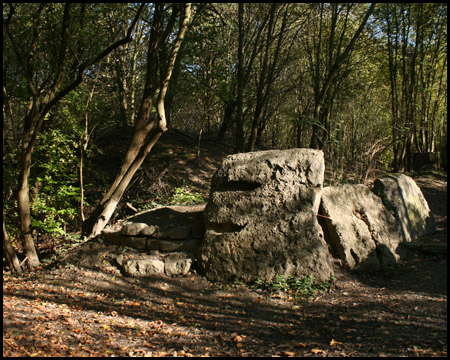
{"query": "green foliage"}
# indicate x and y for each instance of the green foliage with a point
(185, 196)
(55, 194)
(72, 240)
(298, 287)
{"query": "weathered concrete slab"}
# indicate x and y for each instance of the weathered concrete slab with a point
(261, 220)
(359, 229)
(401, 193)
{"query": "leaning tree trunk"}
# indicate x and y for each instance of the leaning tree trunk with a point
(140, 146)
(10, 253)
(109, 206)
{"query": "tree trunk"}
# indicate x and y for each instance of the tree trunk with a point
(110, 205)
(334, 65)
(10, 253)
(227, 119)
(315, 137)
(240, 86)
(23, 196)
(299, 130)
(267, 74)
(121, 86)
(139, 148)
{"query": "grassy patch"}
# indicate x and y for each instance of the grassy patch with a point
(298, 288)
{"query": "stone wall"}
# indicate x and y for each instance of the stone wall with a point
(168, 236)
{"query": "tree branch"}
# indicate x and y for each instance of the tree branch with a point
(92, 61)
(171, 62)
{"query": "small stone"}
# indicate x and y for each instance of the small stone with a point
(144, 267)
(109, 230)
(165, 245)
(169, 245)
(149, 230)
(198, 230)
(177, 264)
(152, 244)
(119, 259)
(161, 234)
(139, 243)
(179, 233)
(133, 229)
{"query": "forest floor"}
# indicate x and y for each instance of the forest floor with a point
(81, 305)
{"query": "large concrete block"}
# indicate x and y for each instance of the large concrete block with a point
(261, 218)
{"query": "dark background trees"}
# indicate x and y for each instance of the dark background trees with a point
(365, 83)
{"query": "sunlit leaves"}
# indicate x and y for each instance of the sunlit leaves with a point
(55, 194)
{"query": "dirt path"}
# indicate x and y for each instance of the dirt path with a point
(84, 307)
